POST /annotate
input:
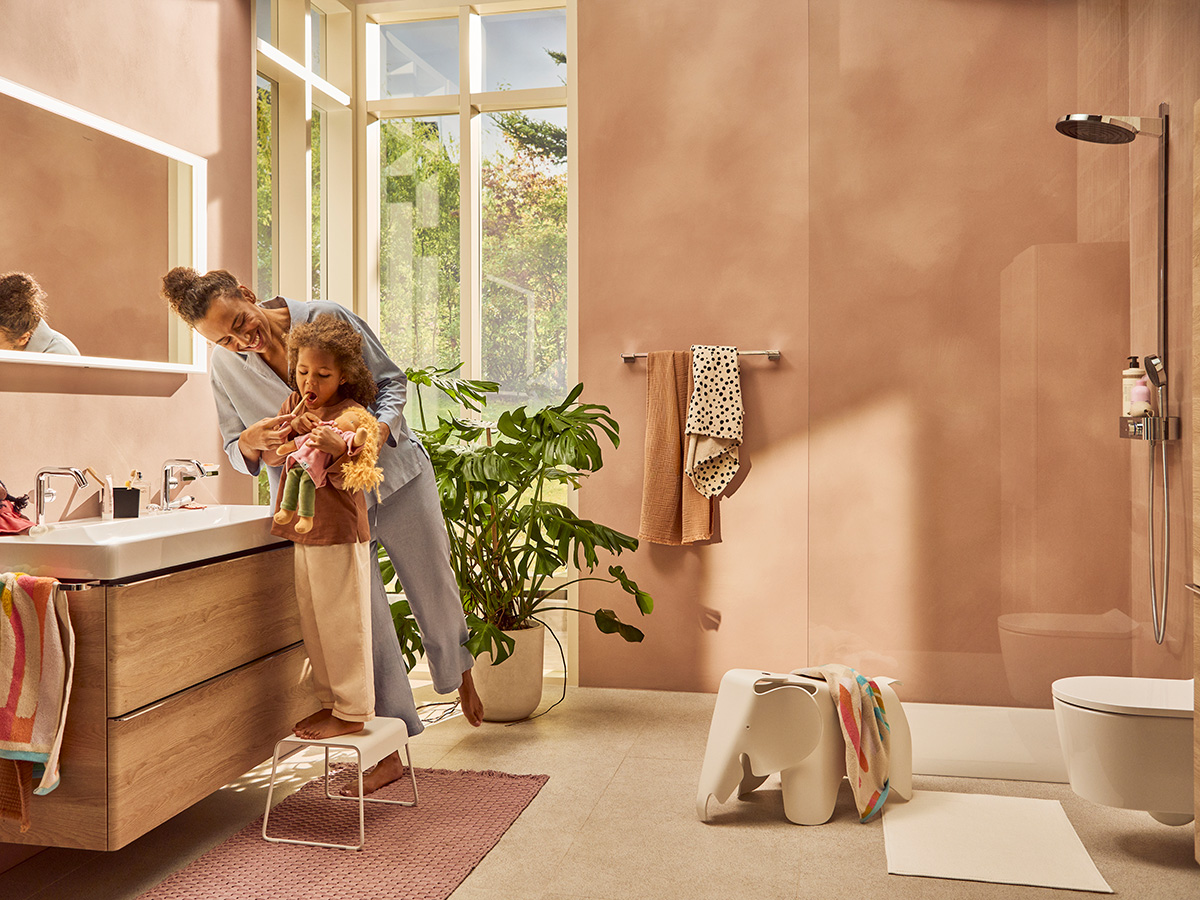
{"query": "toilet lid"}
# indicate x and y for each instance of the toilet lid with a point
(1171, 697)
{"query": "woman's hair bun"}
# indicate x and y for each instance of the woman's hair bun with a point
(178, 282)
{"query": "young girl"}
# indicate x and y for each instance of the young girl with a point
(331, 386)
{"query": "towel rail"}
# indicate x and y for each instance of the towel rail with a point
(772, 355)
(77, 585)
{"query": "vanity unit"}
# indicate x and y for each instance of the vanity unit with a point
(186, 672)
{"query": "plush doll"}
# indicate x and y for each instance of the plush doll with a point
(307, 467)
(11, 519)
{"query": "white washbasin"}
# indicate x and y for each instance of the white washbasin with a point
(113, 549)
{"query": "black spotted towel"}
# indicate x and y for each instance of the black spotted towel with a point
(714, 420)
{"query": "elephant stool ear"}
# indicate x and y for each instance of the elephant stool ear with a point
(784, 725)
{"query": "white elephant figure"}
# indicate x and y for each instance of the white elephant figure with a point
(766, 722)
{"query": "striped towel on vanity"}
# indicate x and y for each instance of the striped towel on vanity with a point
(37, 657)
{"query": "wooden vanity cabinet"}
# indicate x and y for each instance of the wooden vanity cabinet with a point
(183, 682)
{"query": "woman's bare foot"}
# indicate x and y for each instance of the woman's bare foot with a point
(330, 726)
(468, 698)
(304, 524)
(308, 721)
(385, 772)
(284, 516)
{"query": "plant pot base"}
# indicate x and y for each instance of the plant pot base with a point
(512, 690)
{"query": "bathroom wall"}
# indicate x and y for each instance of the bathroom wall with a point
(180, 71)
(858, 184)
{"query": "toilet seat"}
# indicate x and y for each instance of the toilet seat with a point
(1168, 697)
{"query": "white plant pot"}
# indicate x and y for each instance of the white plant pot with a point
(513, 689)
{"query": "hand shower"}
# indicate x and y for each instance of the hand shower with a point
(1155, 372)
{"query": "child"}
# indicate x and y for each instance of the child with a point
(332, 539)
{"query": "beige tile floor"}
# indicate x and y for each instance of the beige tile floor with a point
(616, 821)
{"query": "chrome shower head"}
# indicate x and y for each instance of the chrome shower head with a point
(1155, 370)
(1109, 129)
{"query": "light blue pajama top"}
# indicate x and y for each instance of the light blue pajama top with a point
(46, 340)
(246, 390)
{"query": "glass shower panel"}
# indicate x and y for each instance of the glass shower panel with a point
(969, 499)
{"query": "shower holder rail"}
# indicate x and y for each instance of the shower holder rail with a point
(1150, 428)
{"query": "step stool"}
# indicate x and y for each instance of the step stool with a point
(379, 738)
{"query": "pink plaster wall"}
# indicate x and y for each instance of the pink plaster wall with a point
(181, 71)
(851, 182)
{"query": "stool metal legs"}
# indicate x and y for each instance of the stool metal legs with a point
(361, 798)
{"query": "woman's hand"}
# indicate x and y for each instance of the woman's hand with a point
(327, 440)
(266, 434)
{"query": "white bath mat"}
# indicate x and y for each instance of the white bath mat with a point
(976, 837)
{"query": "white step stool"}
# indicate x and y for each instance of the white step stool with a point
(379, 738)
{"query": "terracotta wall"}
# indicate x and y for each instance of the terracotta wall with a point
(182, 72)
(853, 183)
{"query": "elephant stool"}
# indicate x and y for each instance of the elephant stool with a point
(766, 722)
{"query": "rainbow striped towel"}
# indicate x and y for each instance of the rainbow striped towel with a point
(865, 728)
(37, 658)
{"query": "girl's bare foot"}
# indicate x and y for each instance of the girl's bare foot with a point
(329, 727)
(310, 720)
(304, 524)
(284, 516)
(385, 772)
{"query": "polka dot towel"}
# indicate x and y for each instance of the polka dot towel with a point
(714, 420)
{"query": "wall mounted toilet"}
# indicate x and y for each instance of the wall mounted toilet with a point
(1128, 742)
(1038, 648)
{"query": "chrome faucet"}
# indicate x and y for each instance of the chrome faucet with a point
(169, 480)
(42, 492)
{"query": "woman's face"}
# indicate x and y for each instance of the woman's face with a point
(318, 377)
(236, 323)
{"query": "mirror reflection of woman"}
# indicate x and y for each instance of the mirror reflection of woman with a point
(23, 318)
(249, 377)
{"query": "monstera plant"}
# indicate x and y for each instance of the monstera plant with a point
(512, 537)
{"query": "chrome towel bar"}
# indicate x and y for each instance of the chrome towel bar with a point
(772, 355)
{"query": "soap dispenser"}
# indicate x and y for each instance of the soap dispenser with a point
(1129, 378)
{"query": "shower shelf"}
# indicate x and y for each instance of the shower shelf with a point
(1150, 428)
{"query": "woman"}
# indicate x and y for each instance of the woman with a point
(23, 318)
(249, 379)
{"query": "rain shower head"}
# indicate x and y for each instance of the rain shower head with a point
(1109, 129)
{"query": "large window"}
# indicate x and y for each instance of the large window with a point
(471, 192)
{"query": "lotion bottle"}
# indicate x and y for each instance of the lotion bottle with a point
(1130, 377)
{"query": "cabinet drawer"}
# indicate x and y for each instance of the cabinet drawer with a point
(166, 757)
(169, 633)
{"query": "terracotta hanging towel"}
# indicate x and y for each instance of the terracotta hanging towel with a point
(714, 419)
(672, 510)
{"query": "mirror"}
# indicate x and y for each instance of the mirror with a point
(96, 213)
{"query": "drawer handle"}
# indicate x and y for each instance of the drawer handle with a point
(1194, 588)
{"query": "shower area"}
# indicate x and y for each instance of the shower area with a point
(936, 485)
(1004, 274)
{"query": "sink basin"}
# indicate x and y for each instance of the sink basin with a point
(113, 549)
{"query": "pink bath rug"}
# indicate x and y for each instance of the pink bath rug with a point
(412, 853)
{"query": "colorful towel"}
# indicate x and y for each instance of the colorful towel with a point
(865, 728)
(714, 419)
(37, 657)
(673, 511)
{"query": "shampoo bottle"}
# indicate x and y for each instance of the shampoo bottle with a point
(1130, 377)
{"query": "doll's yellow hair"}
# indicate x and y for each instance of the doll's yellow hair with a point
(360, 472)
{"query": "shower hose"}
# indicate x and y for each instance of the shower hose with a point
(1159, 619)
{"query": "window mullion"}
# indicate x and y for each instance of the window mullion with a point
(470, 39)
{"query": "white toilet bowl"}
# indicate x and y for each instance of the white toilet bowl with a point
(1127, 742)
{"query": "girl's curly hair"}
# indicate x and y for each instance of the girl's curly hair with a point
(339, 339)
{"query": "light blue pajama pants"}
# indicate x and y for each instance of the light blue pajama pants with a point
(409, 525)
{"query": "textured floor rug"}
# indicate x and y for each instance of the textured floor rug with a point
(981, 837)
(418, 853)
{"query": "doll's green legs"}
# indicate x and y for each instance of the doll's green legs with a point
(299, 494)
